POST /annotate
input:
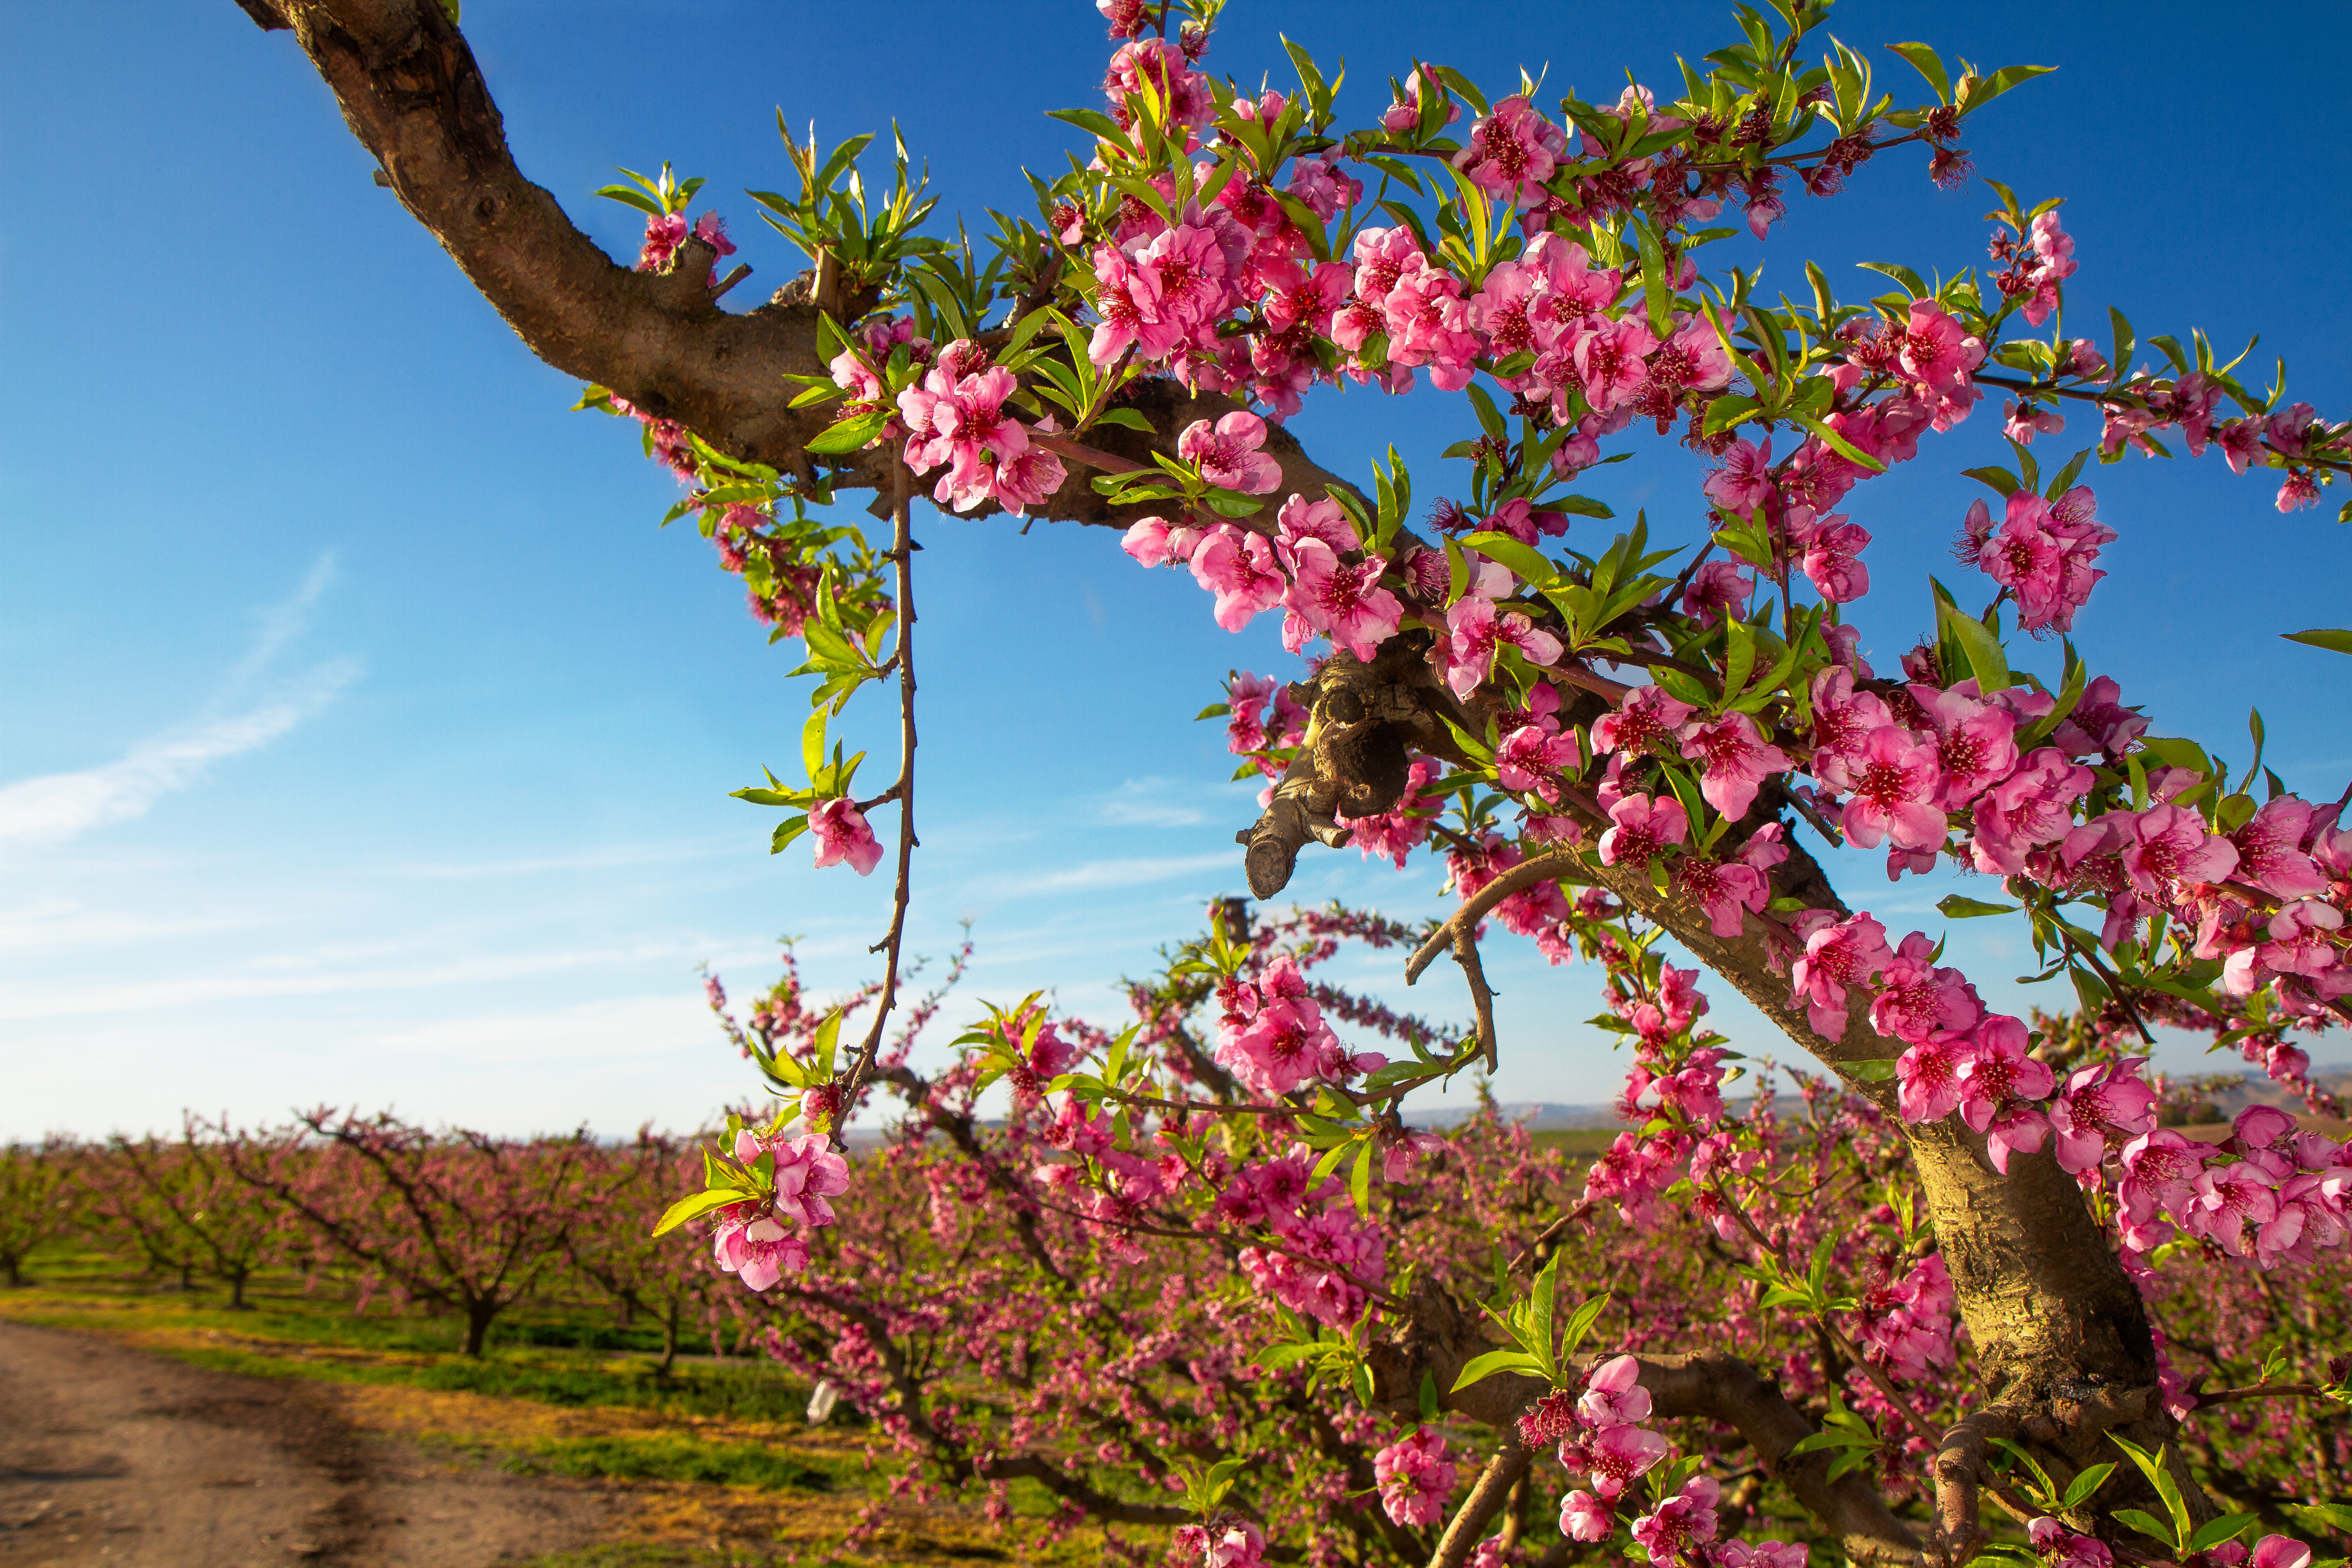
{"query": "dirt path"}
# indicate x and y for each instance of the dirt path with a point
(108, 1454)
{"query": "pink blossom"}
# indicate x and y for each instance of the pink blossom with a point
(1717, 589)
(1975, 742)
(1744, 482)
(1722, 891)
(1996, 1082)
(758, 1251)
(2059, 1547)
(807, 1172)
(1346, 604)
(1416, 1476)
(1733, 759)
(1476, 630)
(1916, 999)
(2168, 845)
(1618, 1455)
(2101, 1108)
(2159, 1169)
(1429, 324)
(1928, 1076)
(1324, 519)
(1644, 717)
(1893, 782)
(1403, 117)
(1839, 956)
(1833, 559)
(2032, 806)
(1153, 542)
(2227, 1199)
(2279, 1551)
(1643, 828)
(1583, 1516)
(1155, 68)
(1613, 1395)
(842, 836)
(1937, 351)
(1679, 1521)
(1844, 718)
(2269, 850)
(1531, 757)
(1609, 361)
(1228, 453)
(1512, 152)
(1240, 569)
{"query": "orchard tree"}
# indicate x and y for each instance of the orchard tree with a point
(36, 1200)
(188, 1191)
(461, 1221)
(1619, 745)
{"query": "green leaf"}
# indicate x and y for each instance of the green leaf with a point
(1487, 1365)
(701, 1203)
(1961, 909)
(1925, 61)
(1126, 418)
(2090, 1481)
(1738, 655)
(2334, 640)
(2146, 1524)
(1870, 1069)
(2214, 1532)
(849, 435)
(1981, 646)
(1843, 448)
(1501, 548)
(1657, 288)
(1581, 1321)
(2323, 1515)
(2002, 81)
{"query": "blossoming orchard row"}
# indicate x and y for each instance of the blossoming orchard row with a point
(1618, 747)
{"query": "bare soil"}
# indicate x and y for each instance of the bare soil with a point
(108, 1454)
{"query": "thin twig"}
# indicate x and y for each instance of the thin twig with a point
(1526, 874)
(902, 553)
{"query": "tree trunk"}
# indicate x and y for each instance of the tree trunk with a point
(478, 1315)
(670, 1339)
(15, 1277)
(237, 1303)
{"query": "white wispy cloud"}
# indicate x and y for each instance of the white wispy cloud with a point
(1145, 803)
(56, 807)
(1096, 874)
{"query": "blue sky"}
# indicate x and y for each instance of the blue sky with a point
(362, 739)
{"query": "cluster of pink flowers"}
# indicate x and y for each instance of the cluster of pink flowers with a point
(1223, 1541)
(1273, 1036)
(1600, 1436)
(750, 1239)
(1300, 570)
(2269, 1192)
(1905, 1325)
(2042, 260)
(1324, 1253)
(1416, 1476)
(2042, 553)
(956, 415)
(666, 232)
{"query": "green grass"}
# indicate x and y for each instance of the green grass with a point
(1576, 1140)
(675, 1458)
(551, 1352)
